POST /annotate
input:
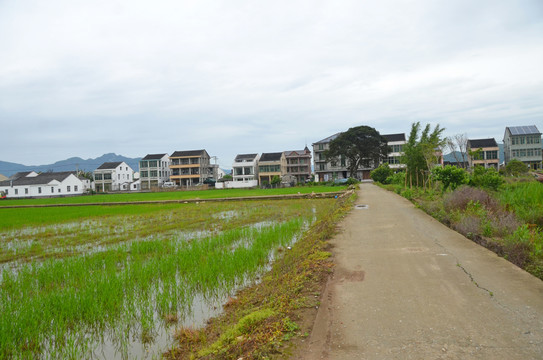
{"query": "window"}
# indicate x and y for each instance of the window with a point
(107, 176)
(522, 140)
(97, 176)
(492, 155)
(16, 191)
(144, 174)
(52, 190)
(151, 164)
(7, 191)
(75, 187)
(143, 164)
(321, 146)
(322, 166)
(68, 188)
(58, 189)
(154, 173)
(39, 190)
(118, 176)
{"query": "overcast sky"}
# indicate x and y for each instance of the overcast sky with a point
(84, 78)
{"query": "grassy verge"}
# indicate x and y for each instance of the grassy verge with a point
(260, 320)
(172, 195)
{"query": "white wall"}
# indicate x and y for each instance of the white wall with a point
(236, 184)
(54, 188)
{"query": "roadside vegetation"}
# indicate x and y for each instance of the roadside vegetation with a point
(74, 278)
(502, 211)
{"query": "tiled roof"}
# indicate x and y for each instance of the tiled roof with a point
(394, 137)
(109, 165)
(188, 153)
(154, 156)
(43, 179)
(271, 156)
(19, 175)
(296, 153)
(482, 143)
(245, 157)
(328, 139)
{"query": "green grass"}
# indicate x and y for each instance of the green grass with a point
(172, 195)
(525, 199)
(72, 283)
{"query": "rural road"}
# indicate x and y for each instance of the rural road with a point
(407, 287)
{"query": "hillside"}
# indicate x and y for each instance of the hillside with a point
(71, 164)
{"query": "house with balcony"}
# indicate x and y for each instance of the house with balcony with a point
(395, 143)
(154, 171)
(483, 152)
(113, 176)
(245, 168)
(299, 164)
(190, 168)
(33, 185)
(336, 169)
(523, 143)
(271, 165)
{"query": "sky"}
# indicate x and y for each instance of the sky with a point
(84, 78)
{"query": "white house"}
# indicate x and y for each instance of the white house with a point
(396, 143)
(245, 170)
(154, 170)
(113, 176)
(32, 184)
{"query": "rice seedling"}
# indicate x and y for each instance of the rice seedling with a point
(60, 298)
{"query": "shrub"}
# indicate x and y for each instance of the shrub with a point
(469, 226)
(381, 173)
(397, 178)
(486, 178)
(351, 181)
(461, 197)
(450, 176)
(516, 168)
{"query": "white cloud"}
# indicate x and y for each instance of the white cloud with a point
(242, 76)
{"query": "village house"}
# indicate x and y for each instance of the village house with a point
(299, 164)
(50, 184)
(271, 165)
(191, 167)
(483, 152)
(113, 176)
(154, 171)
(523, 143)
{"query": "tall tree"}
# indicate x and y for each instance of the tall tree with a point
(458, 146)
(361, 146)
(421, 153)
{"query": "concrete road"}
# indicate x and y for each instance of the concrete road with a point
(407, 287)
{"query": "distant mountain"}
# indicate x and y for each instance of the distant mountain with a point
(71, 164)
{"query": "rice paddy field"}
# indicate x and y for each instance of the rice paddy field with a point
(108, 282)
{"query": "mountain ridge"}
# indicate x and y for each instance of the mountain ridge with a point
(70, 164)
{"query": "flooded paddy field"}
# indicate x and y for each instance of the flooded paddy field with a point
(115, 282)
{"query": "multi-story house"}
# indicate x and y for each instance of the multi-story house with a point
(32, 184)
(245, 168)
(326, 170)
(154, 171)
(190, 168)
(483, 152)
(113, 176)
(395, 143)
(299, 164)
(523, 143)
(271, 165)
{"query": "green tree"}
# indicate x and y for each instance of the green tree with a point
(422, 153)
(516, 167)
(382, 173)
(276, 180)
(450, 176)
(486, 178)
(361, 146)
